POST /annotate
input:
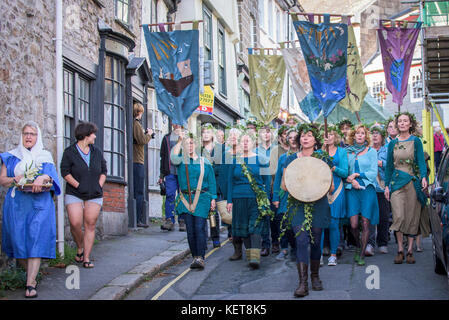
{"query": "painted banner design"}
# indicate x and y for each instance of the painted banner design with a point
(397, 46)
(267, 73)
(356, 88)
(174, 59)
(324, 47)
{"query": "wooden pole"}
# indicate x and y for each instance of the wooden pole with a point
(168, 23)
(358, 117)
(399, 107)
(325, 133)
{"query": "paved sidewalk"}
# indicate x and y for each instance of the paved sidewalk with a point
(121, 264)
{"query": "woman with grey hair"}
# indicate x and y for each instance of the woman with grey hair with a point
(29, 224)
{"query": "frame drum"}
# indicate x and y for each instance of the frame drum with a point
(308, 179)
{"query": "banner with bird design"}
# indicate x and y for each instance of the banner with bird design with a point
(397, 46)
(267, 73)
(174, 60)
(324, 47)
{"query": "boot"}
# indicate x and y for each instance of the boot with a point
(303, 288)
(314, 275)
(182, 225)
(237, 250)
(254, 258)
(168, 225)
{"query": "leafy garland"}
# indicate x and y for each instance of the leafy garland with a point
(292, 206)
(263, 203)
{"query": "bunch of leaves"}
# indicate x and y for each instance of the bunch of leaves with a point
(306, 127)
(31, 173)
(62, 262)
(263, 203)
(345, 121)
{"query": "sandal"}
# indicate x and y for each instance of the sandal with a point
(88, 265)
(80, 256)
(399, 258)
(29, 289)
(410, 259)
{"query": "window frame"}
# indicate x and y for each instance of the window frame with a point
(208, 46)
(221, 38)
(75, 118)
(154, 146)
(261, 12)
(415, 90)
(121, 153)
(123, 3)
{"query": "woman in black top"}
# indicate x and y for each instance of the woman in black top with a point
(84, 169)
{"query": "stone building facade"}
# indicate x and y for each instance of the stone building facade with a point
(101, 81)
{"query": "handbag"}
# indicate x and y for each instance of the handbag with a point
(225, 216)
(163, 188)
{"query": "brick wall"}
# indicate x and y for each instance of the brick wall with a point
(114, 198)
(247, 9)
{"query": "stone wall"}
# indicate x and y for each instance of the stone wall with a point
(247, 9)
(27, 62)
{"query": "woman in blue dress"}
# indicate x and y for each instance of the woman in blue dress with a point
(361, 195)
(338, 200)
(309, 140)
(29, 224)
(196, 179)
(242, 200)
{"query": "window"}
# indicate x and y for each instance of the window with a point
(122, 10)
(154, 121)
(416, 88)
(253, 32)
(207, 33)
(378, 92)
(76, 103)
(278, 25)
(270, 19)
(221, 61)
(261, 9)
(114, 117)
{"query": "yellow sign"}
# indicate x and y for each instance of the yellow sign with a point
(206, 101)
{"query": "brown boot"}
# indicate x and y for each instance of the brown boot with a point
(410, 259)
(314, 275)
(237, 250)
(303, 288)
(399, 258)
(168, 225)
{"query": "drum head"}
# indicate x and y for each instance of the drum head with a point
(308, 179)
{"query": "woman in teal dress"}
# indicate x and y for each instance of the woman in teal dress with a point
(197, 195)
(247, 221)
(405, 180)
(29, 224)
(338, 200)
(309, 140)
(280, 196)
(361, 195)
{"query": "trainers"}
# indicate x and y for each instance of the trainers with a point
(216, 244)
(198, 263)
(383, 249)
(168, 225)
(321, 261)
(182, 225)
(332, 261)
(283, 255)
(369, 251)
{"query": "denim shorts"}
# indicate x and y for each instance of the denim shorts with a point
(69, 199)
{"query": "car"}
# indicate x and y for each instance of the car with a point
(439, 222)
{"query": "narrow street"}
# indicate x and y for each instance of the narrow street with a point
(276, 280)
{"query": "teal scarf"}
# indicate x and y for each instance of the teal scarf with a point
(357, 148)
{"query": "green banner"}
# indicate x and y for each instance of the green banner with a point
(267, 73)
(356, 88)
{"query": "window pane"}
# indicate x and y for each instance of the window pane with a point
(107, 157)
(116, 141)
(116, 94)
(108, 68)
(108, 91)
(107, 115)
(119, 10)
(125, 13)
(115, 165)
(107, 139)
(116, 117)
(116, 69)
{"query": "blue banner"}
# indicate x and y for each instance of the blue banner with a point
(174, 59)
(324, 47)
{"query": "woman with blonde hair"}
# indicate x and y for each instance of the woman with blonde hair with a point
(361, 192)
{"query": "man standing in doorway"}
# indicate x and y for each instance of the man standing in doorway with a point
(169, 174)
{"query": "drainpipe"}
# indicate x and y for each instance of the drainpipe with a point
(59, 123)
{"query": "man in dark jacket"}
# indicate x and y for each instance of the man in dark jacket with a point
(169, 175)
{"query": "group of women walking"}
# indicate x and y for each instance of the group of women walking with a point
(367, 176)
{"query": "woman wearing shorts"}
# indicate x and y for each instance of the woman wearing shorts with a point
(84, 169)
